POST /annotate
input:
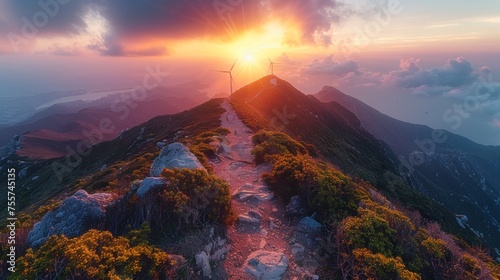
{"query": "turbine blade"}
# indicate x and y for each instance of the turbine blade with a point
(233, 66)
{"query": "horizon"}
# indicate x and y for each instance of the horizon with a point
(414, 61)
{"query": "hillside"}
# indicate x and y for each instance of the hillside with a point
(53, 131)
(461, 175)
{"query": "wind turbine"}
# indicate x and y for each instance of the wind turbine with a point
(231, 81)
(271, 66)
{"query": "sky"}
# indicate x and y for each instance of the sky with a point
(429, 62)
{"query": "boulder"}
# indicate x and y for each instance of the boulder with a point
(175, 155)
(266, 265)
(77, 214)
(149, 183)
(306, 232)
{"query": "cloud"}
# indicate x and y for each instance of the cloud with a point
(455, 73)
(329, 66)
(166, 20)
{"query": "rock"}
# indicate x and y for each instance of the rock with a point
(295, 207)
(172, 156)
(104, 166)
(224, 149)
(77, 214)
(266, 265)
(306, 232)
(23, 172)
(309, 225)
(149, 183)
(297, 249)
(243, 195)
(202, 261)
(461, 220)
(219, 253)
(160, 144)
(254, 214)
(248, 219)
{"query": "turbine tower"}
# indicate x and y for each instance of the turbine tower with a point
(231, 81)
(271, 66)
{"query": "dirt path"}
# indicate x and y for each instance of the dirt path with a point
(261, 229)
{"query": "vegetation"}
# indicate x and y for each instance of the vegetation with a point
(94, 255)
(270, 143)
(368, 237)
(251, 118)
(325, 190)
(201, 145)
(190, 198)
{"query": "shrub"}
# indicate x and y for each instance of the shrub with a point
(269, 143)
(200, 145)
(377, 266)
(195, 196)
(370, 231)
(94, 255)
(325, 190)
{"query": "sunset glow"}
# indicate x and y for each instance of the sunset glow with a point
(348, 44)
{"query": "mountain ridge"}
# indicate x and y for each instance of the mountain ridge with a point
(338, 168)
(454, 167)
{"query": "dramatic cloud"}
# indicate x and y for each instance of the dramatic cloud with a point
(153, 21)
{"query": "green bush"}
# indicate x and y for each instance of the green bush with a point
(195, 196)
(370, 231)
(270, 143)
(324, 189)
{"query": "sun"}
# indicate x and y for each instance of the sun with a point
(248, 58)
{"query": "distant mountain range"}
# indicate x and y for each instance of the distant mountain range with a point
(459, 174)
(57, 130)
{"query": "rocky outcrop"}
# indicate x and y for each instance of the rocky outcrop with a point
(175, 155)
(75, 216)
(266, 265)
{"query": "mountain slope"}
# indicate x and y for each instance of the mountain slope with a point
(461, 175)
(338, 138)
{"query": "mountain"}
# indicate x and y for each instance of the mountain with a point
(458, 173)
(269, 182)
(57, 130)
(336, 134)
